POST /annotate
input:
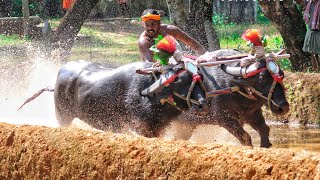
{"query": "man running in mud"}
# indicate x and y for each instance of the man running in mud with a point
(153, 28)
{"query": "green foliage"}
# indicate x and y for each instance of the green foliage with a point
(261, 19)
(16, 8)
(165, 20)
(278, 41)
(285, 64)
(219, 19)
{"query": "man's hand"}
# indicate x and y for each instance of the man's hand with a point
(156, 64)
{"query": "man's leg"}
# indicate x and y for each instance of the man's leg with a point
(315, 62)
(318, 62)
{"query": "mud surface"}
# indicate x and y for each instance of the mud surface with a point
(34, 152)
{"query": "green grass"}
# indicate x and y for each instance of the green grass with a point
(104, 47)
(107, 47)
(11, 40)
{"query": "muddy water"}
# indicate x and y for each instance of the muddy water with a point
(296, 137)
(281, 136)
(22, 80)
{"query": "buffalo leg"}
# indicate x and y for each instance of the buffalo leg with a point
(235, 128)
(258, 123)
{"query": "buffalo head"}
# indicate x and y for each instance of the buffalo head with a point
(181, 88)
(262, 80)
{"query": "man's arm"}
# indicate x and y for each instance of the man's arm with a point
(145, 53)
(185, 38)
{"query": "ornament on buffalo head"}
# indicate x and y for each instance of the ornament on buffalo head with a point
(256, 41)
(163, 49)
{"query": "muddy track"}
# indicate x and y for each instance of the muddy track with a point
(34, 152)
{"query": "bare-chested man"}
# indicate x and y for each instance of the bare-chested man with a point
(153, 28)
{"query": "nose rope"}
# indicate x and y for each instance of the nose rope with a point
(195, 78)
(184, 98)
(189, 92)
(250, 90)
(271, 92)
(264, 97)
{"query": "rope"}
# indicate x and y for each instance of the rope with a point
(184, 98)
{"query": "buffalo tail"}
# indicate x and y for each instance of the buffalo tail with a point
(35, 96)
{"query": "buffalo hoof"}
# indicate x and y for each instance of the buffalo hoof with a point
(266, 145)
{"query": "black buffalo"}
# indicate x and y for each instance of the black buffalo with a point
(112, 100)
(233, 110)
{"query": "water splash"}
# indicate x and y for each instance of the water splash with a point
(28, 72)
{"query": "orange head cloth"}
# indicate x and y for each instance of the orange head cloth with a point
(67, 4)
(150, 16)
(167, 44)
(253, 35)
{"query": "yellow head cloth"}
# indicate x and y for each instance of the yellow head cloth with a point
(150, 16)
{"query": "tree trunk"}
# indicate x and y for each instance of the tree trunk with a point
(288, 20)
(235, 11)
(5, 8)
(71, 24)
(242, 6)
(177, 14)
(26, 19)
(200, 12)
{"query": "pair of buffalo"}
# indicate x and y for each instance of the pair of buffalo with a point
(112, 100)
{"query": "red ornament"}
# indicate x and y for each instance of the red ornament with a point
(253, 35)
(167, 44)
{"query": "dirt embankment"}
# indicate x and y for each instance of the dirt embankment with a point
(32, 152)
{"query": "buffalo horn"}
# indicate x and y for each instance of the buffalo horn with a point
(234, 71)
(251, 68)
